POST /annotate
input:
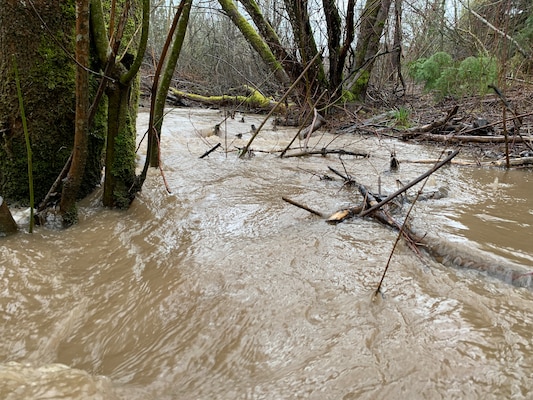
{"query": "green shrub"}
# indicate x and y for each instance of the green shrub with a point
(475, 73)
(445, 77)
(429, 70)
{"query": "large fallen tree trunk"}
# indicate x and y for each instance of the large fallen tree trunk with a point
(254, 99)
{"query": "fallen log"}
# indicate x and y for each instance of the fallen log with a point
(415, 131)
(455, 255)
(454, 138)
(255, 99)
(324, 152)
(513, 162)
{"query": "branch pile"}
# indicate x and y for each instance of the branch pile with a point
(440, 250)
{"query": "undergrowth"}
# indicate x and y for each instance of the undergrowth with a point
(444, 76)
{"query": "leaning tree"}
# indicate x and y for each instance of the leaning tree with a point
(341, 68)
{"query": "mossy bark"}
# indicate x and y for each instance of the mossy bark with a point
(373, 20)
(121, 63)
(254, 100)
(120, 149)
(47, 75)
(251, 35)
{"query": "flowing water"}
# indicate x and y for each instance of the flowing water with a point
(221, 290)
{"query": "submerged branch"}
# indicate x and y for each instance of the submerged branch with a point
(410, 184)
(324, 152)
(303, 207)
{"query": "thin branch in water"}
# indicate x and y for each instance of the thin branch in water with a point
(400, 234)
(28, 144)
(211, 150)
(303, 207)
(160, 167)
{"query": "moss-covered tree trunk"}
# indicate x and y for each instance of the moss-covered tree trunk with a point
(373, 20)
(255, 40)
(75, 174)
(39, 34)
(158, 105)
(121, 58)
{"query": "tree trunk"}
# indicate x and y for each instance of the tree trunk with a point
(254, 39)
(290, 64)
(373, 20)
(7, 223)
(166, 78)
(120, 149)
(120, 183)
(306, 44)
(39, 34)
(79, 152)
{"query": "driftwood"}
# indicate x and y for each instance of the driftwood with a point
(455, 138)
(442, 251)
(7, 223)
(513, 162)
(318, 121)
(210, 150)
(324, 152)
(415, 131)
(410, 184)
(302, 206)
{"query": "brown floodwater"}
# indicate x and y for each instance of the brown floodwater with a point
(221, 290)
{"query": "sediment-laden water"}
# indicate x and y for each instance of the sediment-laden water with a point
(221, 290)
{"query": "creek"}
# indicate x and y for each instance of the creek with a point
(221, 290)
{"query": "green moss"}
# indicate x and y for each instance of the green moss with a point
(360, 85)
(347, 97)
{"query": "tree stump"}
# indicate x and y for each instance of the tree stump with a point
(7, 223)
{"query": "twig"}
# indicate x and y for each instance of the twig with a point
(303, 207)
(344, 177)
(211, 150)
(400, 234)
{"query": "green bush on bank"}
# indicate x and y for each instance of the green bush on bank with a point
(443, 76)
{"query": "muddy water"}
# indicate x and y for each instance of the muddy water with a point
(220, 290)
